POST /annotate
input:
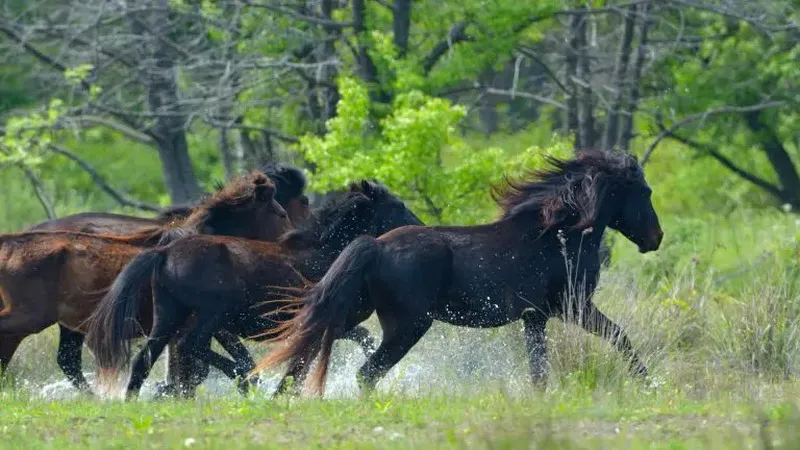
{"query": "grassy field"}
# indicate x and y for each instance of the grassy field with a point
(715, 314)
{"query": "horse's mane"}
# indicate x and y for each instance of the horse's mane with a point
(333, 211)
(569, 189)
(290, 181)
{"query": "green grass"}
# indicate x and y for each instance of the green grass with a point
(571, 418)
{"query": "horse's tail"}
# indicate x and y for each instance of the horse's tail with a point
(325, 311)
(113, 323)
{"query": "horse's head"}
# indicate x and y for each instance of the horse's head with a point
(631, 207)
(594, 190)
(290, 185)
(245, 207)
(386, 211)
(367, 207)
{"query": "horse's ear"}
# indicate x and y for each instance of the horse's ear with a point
(367, 188)
(265, 188)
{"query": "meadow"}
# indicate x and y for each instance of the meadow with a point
(714, 313)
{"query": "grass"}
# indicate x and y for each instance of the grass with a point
(572, 418)
(715, 314)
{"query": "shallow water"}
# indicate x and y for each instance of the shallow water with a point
(447, 359)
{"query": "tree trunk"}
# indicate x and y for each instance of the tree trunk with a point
(778, 157)
(402, 26)
(585, 101)
(626, 130)
(163, 101)
(571, 66)
(618, 79)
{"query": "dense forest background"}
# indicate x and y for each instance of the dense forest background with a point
(131, 105)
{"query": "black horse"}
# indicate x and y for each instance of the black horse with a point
(542, 249)
(227, 284)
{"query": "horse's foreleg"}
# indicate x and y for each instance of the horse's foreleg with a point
(596, 322)
(362, 337)
(535, 342)
(195, 347)
(8, 345)
(169, 316)
(70, 345)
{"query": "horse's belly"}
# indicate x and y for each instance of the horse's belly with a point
(484, 316)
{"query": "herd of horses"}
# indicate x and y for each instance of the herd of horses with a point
(253, 261)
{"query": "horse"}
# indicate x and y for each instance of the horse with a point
(49, 277)
(227, 282)
(290, 184)
(541, 253)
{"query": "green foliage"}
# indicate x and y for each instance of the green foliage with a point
(416, 151)
(28, 136)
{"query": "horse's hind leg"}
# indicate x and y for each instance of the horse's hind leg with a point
(398, 338)
(244, 362)
(535, 342)
(70, 345)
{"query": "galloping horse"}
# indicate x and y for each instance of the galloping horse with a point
(227, 283)
(544, 248)
(59, 276)
(290, 184)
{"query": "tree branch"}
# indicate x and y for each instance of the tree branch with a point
(729, 164)
(39, 190)
(665, 132)
(297, 15)
(100, 181)
(456, 34)
(116, 126)
(234, 125)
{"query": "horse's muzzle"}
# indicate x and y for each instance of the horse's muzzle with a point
(653, 241)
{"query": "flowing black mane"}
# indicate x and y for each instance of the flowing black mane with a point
(568, 190)
(290, 181)
(335, 210)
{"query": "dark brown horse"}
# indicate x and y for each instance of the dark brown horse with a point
(290, 184)
(543, 248)
(227, 283)
(59, 276)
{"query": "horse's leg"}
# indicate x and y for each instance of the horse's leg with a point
(70, 345)
(244, 362)
(8, 345)
(405, 331)
(598, 323)
(362, 337)
(534, 324)
(194, 349)
(169, 316)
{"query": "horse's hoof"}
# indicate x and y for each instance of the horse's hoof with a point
(165, 390)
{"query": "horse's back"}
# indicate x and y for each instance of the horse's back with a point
(97, 223)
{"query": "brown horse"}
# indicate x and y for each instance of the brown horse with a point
(220, 280)
(49, 277)
(290, 184)
(543, 248)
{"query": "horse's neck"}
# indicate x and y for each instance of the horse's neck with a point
(315, 261)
